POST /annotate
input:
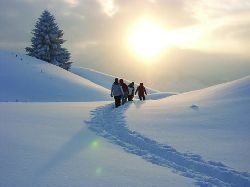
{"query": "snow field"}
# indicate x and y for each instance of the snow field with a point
(196, 138)
(49, 144)
(24, 78)
(110, 123)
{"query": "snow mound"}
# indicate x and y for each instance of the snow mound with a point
(24, 78)
(235, 89)
(102, 79)
(238, 89)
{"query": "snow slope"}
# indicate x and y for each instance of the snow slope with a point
(203, 135)
(199, 138)
(49, 144)
(102, 79)
(24, 78)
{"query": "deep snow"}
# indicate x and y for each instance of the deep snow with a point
(49, 144)
(203, 135)
(213, 123)
(196, 138)
(112, 124)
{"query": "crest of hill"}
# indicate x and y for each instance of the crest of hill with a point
(106, 81)
(27, 79)
(102, 79)
(234, 90)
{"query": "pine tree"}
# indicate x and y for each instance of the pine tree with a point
(47, 40)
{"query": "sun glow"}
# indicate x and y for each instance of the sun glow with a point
(147, 39)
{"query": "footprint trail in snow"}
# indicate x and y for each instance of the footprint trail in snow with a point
(110, 123)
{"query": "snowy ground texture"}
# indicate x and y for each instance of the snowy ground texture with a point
(108, 124)
(24, 78)
(199, 138)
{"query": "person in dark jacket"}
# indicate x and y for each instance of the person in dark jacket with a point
(141, 90)
(117, 92)
(125, 91)
(131, 91)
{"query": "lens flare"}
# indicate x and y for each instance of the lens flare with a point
(99, 170)
(94, 144)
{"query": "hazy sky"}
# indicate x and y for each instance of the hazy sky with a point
(208, 40)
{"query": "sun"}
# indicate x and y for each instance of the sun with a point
(147, 39)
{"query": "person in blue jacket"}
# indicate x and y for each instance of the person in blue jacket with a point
(117, 92)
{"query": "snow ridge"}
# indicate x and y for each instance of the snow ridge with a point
(110, 123)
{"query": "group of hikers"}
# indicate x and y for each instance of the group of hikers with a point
(123, 92)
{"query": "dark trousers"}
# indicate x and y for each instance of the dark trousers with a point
(117, 101)
(142, 97)
(130, 97)
(124, 99)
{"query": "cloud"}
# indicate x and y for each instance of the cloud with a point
(89, 20)
(84, 20)
(72, 3)
(173, 14)
(95, 31)
(109, 7)
(233, 37)
(204, 10)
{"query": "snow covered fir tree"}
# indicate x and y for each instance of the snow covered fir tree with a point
(47, 40)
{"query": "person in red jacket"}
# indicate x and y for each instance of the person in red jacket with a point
(141, 90)
(125, 91)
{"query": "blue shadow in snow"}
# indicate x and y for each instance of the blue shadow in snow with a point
(78, 142)
(110, 123)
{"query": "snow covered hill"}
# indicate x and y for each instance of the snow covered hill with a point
(103, 79)
(23, 78)
(203, 135)
(106, 81)
(199, 138)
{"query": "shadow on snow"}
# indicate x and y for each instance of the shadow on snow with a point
(110, 123)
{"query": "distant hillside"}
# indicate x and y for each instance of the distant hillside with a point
(102, 79)
(24, 78)
(234, 90)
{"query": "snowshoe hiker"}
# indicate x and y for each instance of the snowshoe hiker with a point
(141, 90)
(125, 91)
(131, 91)
(117, 92)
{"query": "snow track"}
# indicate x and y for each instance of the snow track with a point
(111, 124)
